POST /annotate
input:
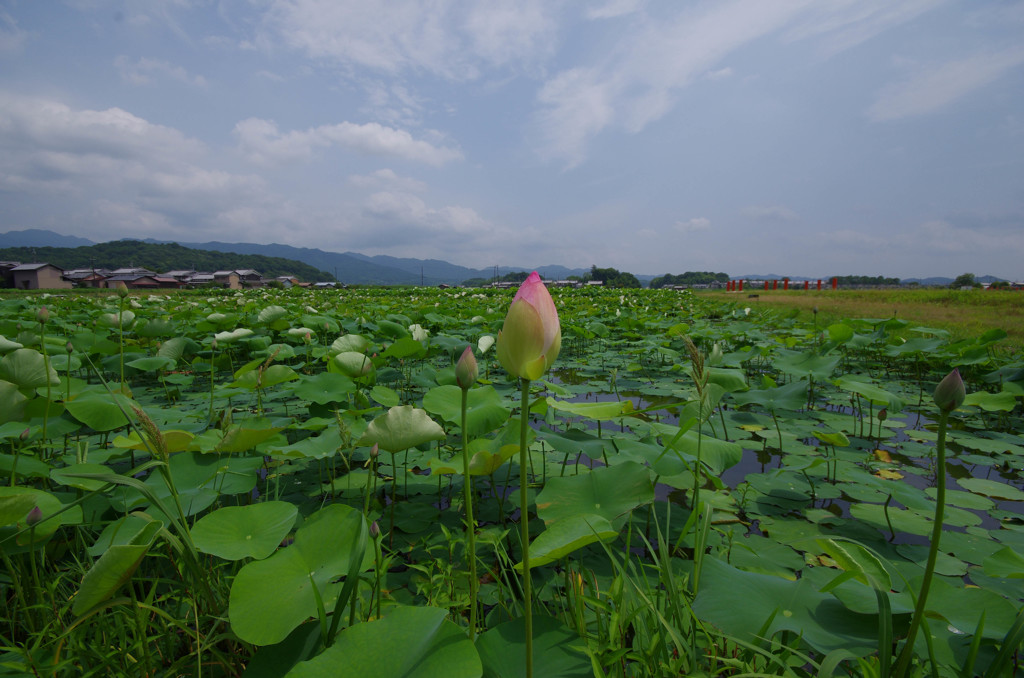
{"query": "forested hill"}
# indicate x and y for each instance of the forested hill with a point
(161, 258)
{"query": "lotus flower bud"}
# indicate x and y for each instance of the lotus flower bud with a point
(42, 315)
(374, 529)
(34, 516)
(883, 414)
(374, 451)
(122, 290)
(69, 348)
(950, 392)
(531, 337)
(466, 370)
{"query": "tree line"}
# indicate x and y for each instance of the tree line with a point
(161, 258)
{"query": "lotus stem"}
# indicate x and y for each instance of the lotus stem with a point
(903, 663)
(467, 480)
(524, 522)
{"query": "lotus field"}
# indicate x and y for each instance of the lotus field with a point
(326, 483)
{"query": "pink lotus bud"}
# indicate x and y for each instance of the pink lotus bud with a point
(374, 451)
(69, 348)
(34, 516)
(950, 392)
(42, 315)
(466, 370)
(531, 337)
(374, 529)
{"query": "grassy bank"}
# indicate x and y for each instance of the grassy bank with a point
(964, 313)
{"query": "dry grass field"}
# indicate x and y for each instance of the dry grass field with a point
(964, 313)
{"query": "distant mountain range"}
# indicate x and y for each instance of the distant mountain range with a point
(360, 269)
(348, 267)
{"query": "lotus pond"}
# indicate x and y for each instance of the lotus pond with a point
(271, 483)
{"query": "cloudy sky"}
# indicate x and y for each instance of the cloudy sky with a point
(796, 137)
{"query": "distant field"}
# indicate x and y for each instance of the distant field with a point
(965, 313)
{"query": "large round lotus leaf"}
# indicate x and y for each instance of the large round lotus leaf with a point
(741, 603)
(62, 362)
(875, 394)
(175, 441)
(400, 428)
(26, 368)
(272, 376)
(392, 329)
(598, 411)
(100, 412)
(151, 364)
(405, 348)
(353, 365)
(6, 345)
(324, 388)
(176, 347)
(232, 336)
(12, 402)
(388, 397)
(792, 396)
(236, 532)
(716, 455)
(566, 535)
(991, 488)
(806, 364)
(114, 320)
(409, 642)
(557, 650)
(270, 314)
(271, 597)
(608, 491)
(485, 408)
(354, 343)
(729, 379)
(157, 327)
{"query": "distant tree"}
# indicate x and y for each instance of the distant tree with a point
(847, 280)
(964, 280)
(612, 277)
(689, 278)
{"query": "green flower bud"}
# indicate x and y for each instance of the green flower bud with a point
(950, 392)
(466, 370)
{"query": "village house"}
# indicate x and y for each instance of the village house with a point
(38, 276)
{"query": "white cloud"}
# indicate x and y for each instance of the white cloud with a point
(387, 179)
(935, 87)
(640, 79)
(95, 161)
(937, 238)
(770, 213)
(613, 8)
(842, 24)
(693, 225)
(142, 72)
(448, 38)
(719, 74)
(12, 38)
(261, 142)
(656, 58)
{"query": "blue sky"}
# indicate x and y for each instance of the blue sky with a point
(796, 137)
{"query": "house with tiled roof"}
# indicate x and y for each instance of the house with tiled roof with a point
(38, 276)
